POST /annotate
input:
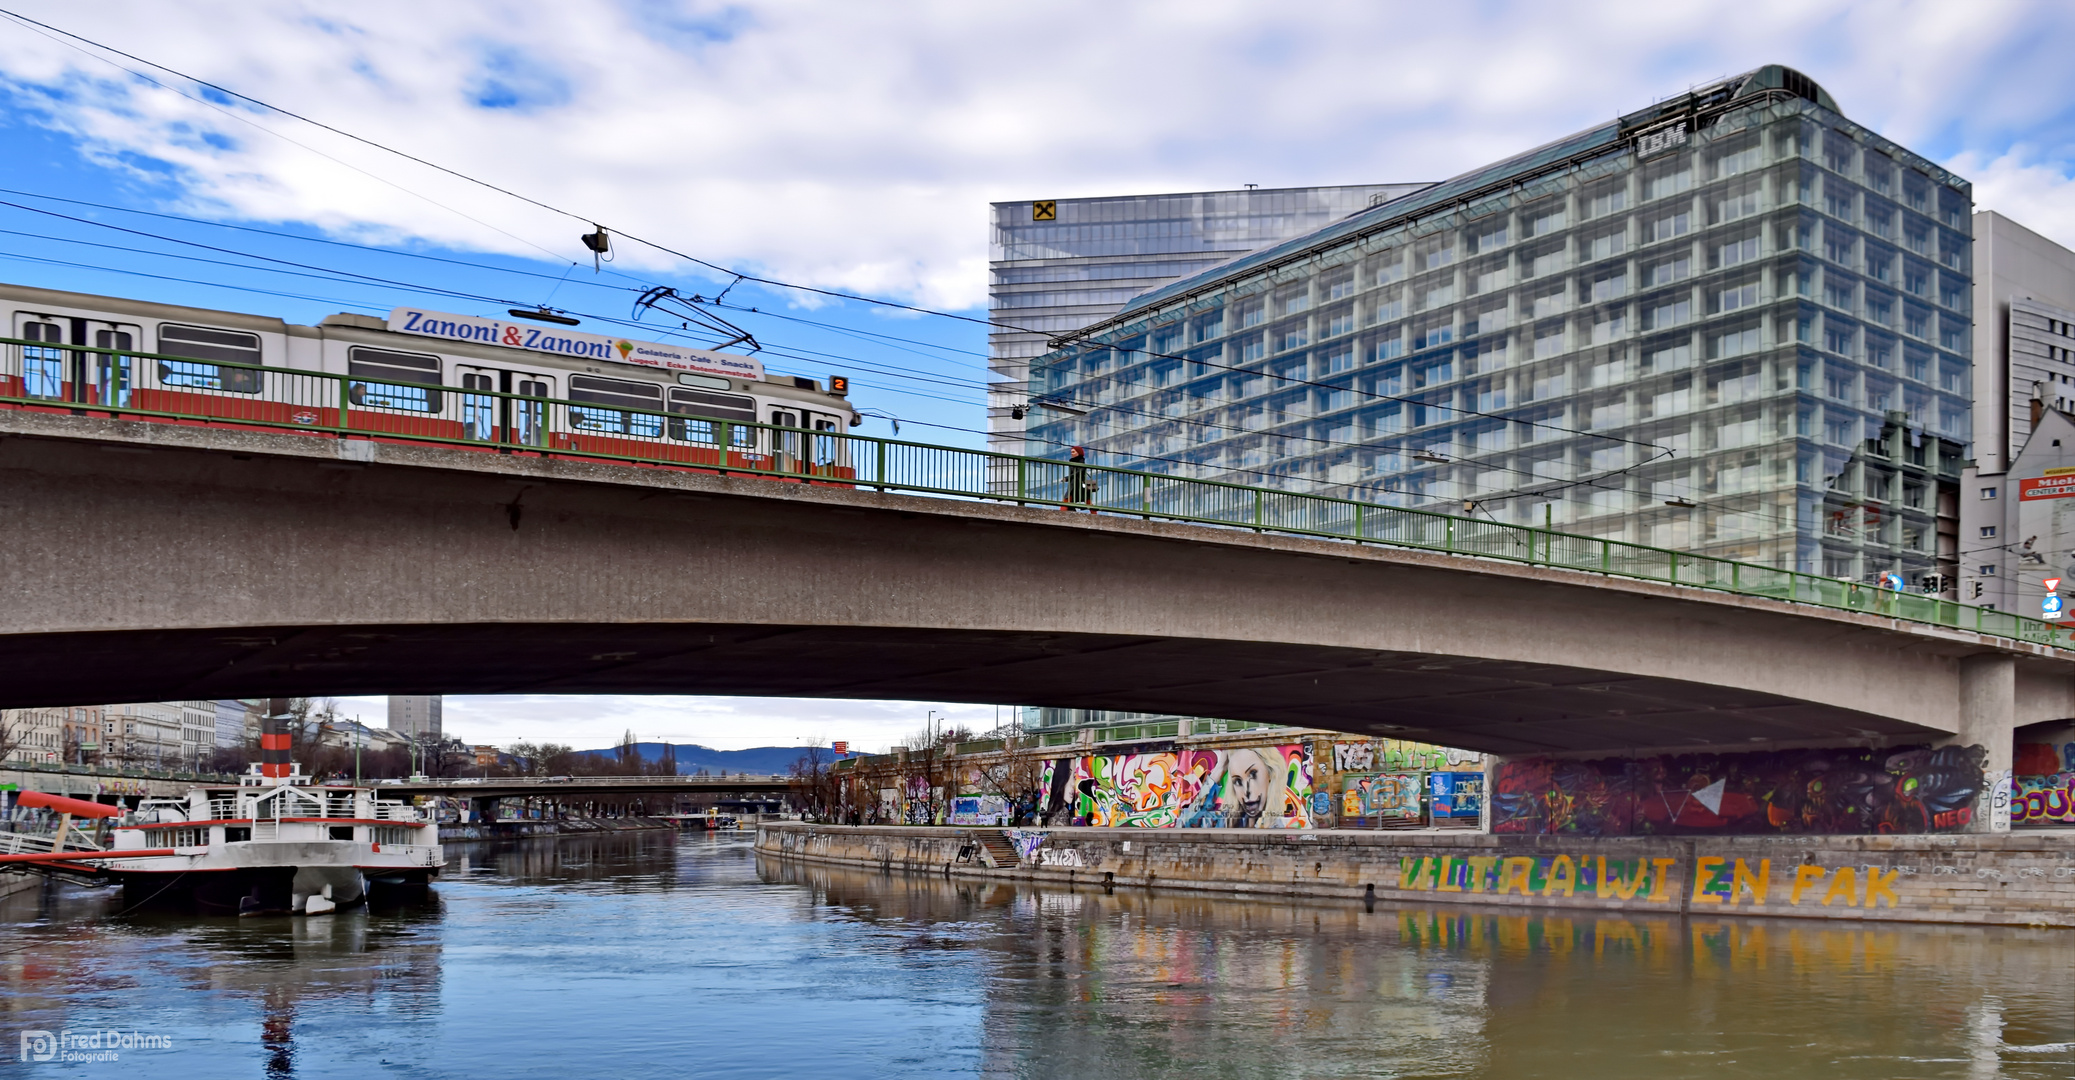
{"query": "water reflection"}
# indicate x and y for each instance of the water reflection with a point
(1090, 983)
(654, 955)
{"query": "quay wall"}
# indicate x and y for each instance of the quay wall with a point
(2026, 878)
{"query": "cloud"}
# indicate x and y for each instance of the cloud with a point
(857, 145)
(2025, 187)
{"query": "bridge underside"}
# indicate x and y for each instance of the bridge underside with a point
(1498, 706)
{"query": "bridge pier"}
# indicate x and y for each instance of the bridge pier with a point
(485, 807)
(1988, 719)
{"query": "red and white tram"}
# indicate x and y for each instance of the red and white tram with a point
(502, 383)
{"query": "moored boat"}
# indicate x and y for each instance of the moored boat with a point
(274, 844)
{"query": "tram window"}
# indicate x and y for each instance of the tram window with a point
(716, 406)
(400, 366)
(621, 392)
(204, 343)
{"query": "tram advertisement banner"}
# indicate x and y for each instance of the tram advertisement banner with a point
(517, 335)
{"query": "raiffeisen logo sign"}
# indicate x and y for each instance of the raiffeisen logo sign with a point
(516, 335)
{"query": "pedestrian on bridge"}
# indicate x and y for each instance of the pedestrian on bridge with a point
(1080, 487)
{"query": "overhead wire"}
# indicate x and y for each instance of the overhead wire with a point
(737, 275)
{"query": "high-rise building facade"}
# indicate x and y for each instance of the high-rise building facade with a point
(417, 717)
(1057, 265)
(2017, 514)
(1734, 322)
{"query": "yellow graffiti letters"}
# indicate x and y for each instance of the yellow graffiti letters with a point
(1879, 884)
(1610, 887)
(1741, 879)
(1705, 870)
(1661, 879)
(1844, 883)
(1563, 877)
(1805, 878)
(1480, 870)
(1445, 875)
(1517, 872)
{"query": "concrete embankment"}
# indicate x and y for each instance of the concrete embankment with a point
(2021, 879)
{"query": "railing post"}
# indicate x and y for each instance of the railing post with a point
(724, 434)
(1259, 509)
(1448, 537)
(1736, 577)
(879, 467)
(1145, 495)
(1606, 556)
(1022, 479)
(1675, 567)
(1362, 531)
(345, 400)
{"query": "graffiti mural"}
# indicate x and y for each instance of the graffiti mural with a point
(1384, 795)
(1381, 754)
(1851, 791)
(979, 810)
(1354, 756)
(2044, 800)
(1262, 787)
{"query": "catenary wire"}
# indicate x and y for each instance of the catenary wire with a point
(738, 275)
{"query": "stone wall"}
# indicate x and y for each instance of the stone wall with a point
(2025, 879)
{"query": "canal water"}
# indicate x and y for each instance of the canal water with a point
(655, 955)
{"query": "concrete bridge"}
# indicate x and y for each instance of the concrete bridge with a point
(152, 561)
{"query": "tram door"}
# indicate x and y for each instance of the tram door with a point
(58, 374)
(826, 445)
(45, 368)
(786, 450)
(487, 416)
(109, 374)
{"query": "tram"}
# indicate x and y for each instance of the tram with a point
(418, 374)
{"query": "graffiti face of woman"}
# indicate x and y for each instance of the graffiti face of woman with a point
(1248, 778)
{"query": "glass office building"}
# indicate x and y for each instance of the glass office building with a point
(1057, 265)
(1734, 322)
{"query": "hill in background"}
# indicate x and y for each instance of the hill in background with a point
(691, 757)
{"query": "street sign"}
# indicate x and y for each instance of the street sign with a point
(2053, 584)
(2050, 607)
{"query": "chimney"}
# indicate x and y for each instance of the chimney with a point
(276, 741)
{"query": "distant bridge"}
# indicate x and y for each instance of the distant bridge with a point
(505, 787)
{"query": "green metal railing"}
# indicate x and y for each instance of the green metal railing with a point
(102, 382)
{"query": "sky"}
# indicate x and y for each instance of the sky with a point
(854, 148)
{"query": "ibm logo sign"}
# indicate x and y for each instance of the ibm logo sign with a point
(1656, 142)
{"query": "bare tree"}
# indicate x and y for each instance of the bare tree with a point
(14, 726)
(815, 790)
(1016, 773)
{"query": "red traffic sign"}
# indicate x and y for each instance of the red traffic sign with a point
(2053, 584)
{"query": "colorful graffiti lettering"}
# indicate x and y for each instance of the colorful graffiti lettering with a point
(1263, 787)
(979, 810)
(1398, 754)
(1384, 795)
(1852, 792)
(1353, 756)
(1027, 841)
(1717, 879)
(2044, 800)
